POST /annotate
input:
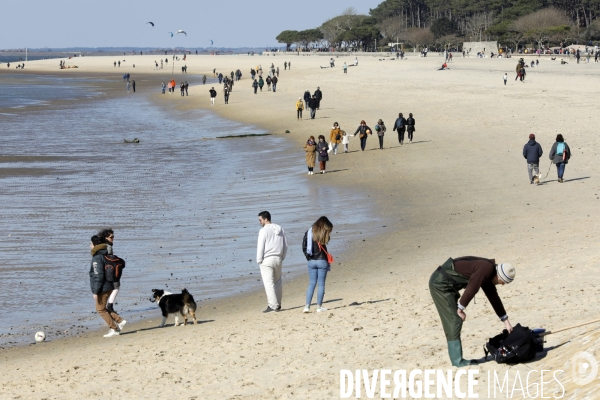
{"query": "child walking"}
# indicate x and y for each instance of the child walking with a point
(345, 140)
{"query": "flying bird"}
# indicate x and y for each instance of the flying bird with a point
(171, 34)
(180, 31)
(151, 23)
(211, 42)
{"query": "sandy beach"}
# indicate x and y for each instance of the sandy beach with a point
(461, 188)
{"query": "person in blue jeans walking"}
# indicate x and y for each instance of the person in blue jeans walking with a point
(314, 247)
(364, 131)
(560, 155)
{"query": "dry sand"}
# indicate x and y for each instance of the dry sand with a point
(460, 189)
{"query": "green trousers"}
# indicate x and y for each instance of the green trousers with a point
(445, 298)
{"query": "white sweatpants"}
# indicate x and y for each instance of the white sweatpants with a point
(212, 101)
(270, 270)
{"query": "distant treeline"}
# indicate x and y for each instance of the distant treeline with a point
(450, 22)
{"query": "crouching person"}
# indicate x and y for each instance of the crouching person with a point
(471, 274)
(101, 288)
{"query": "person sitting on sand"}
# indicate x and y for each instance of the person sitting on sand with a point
(444, 66)
(471, 274)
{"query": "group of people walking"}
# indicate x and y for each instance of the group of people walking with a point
(271, 250)
(319, 150)
(560, 153)
(313, 102)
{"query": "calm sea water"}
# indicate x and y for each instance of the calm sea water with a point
(183, 205)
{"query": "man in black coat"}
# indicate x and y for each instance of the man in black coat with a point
(319, 96)
(400, 127)
(532, 151)
(313, 105)
(307, 97)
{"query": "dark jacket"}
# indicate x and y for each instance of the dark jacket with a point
(319, 95)
(480, 272)
(213, 93)
(98, 282)
(532, 151)
(307, 97)
(322, 151)
(317, 254)
(312, 103)
(363, 130)
(411, 124)
(274, 80)
(557, 158)
(400, 124)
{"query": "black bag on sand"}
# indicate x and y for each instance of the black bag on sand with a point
(518, 346)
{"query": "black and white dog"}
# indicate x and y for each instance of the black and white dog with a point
(176, 304)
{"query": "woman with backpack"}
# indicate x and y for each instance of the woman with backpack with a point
(102, 288)
(560, 155)
(314, 247)
(323, 151)
(335, 137)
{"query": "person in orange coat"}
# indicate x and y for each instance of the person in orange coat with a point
(335, 137)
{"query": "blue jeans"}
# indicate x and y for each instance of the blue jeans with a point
(363, 142)
(317, 273)
(560, 169)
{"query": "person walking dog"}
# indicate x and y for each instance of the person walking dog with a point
(560, 153)
(471, 274)
(532, 151)
(270, 253)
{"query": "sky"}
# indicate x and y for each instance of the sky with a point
(113, 23)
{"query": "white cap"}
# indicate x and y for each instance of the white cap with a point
(506, 272)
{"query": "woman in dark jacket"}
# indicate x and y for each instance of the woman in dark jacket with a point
(255, 85)
(364, 130)
(323, 152)
(560, 155)
(101, 288)
(410, 123)
(261, 83)
(314, 247)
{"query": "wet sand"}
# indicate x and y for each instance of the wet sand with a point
(460, 188)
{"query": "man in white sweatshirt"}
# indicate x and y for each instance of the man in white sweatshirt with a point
(270, 253)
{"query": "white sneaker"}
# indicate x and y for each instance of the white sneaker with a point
(306, 309)
(309, 172)
(321, 309)
(121, 325)
(112, 333)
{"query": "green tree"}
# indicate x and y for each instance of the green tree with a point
(287, 37)
(443, 27)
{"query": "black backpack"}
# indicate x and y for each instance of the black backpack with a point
(113, 268)
(512, 348)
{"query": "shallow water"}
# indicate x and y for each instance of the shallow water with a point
(183, 206)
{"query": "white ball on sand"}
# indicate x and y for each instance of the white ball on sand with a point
(40, 336)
